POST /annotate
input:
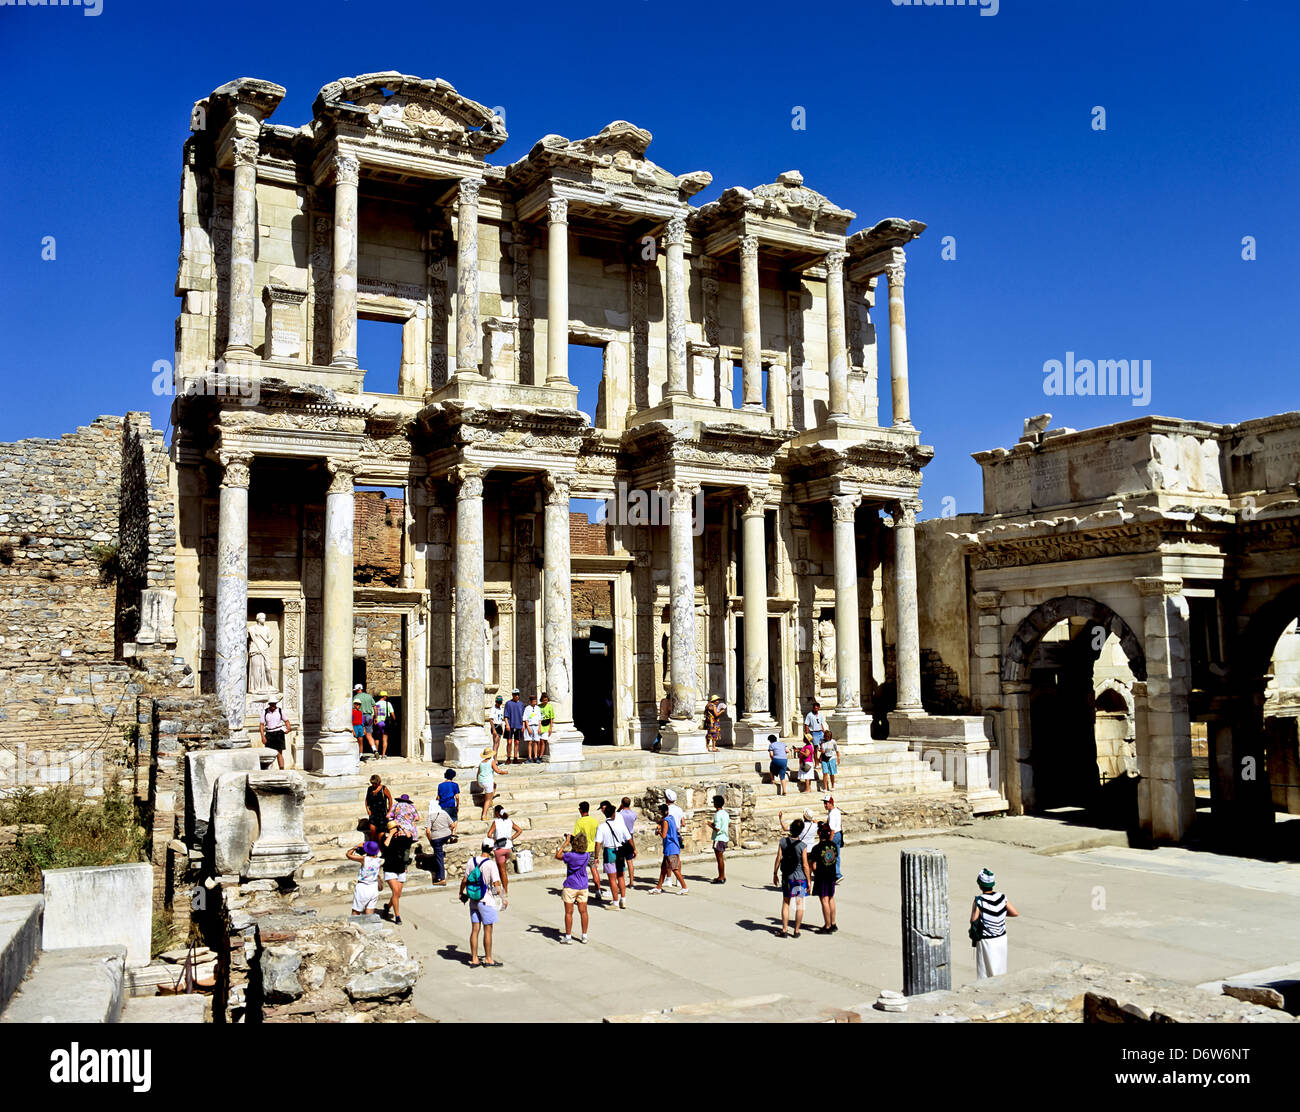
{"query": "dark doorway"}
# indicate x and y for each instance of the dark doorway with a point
(593, 685)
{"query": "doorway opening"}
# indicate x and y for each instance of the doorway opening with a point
(593, 660)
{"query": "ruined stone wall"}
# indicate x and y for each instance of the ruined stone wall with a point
(587, 538)
(86, 522)
(377, 538)
(943, 612)
(383, 642)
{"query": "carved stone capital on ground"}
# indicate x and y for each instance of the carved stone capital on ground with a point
(347, 169)
(343, 474)
(235, 468)
(844, 506)
(468, 478)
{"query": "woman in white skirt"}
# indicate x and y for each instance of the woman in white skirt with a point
(990, 910)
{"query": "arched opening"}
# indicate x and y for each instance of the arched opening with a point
(1072, 665)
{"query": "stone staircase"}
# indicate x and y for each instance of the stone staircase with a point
(89, 984)
(879, 787)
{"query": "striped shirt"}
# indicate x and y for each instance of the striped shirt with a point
(993, 913)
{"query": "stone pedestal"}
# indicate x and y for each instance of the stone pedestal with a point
(684, 737)
(927, 965)
(277, 797)
(752, 734)
(957, 747)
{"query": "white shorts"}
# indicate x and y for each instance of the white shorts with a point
(807, 773)
(399, 877)
(365, 896)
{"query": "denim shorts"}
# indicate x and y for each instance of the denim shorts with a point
(828, 766)
(778, 769)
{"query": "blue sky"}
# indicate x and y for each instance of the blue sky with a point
(1123, 243)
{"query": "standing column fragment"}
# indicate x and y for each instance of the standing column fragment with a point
(927, 965)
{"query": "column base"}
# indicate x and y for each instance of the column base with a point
(564, 746)
(683, 738)
(849, 727)
(334, 755)
(463, 747)
(753, 733)
(958, 748)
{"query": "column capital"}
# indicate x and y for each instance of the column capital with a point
(753, 501)
(557, 210)
(347, 169)
(675, 231)
(245, 152)
(844, 506)
(905, 514)
(749, 247)
(343, 474)
(235, 468)
(469, 190)
(468, 478)
(681, 494)
(1155, 586)
(557, 488)
(835, 260)
(896, 272)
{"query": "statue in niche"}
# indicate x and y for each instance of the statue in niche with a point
(826, 647)
(260, 680)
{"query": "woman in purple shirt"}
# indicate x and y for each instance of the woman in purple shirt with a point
(573, 852)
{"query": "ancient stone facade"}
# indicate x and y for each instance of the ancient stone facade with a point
(1149, 573)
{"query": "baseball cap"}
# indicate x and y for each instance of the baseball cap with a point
(499, 698)
(488, 843)
(515, 691)
(358, 687)
(670, 795)
(828, 798)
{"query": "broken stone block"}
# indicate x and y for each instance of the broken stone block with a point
(390, 982)
(279, 965)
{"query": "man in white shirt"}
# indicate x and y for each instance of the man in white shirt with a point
(814, 722)
(679, 817)
(441, 830)
(836, 822)
(497, 724)
(483, 911)
(274, 727)
(533, 728)
(611, 837)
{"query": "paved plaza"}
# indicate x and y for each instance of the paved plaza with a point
(1191, 917)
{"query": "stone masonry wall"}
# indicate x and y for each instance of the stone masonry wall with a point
(86, 522)
(377, 538)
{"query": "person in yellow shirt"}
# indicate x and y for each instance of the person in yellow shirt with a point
(587, 825)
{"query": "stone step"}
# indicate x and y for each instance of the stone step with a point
(20, 941)
(194, 1007)
(81, 985)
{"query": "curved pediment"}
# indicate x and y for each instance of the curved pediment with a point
(411, 106)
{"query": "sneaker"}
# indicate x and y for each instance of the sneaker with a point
(397, 919)
(683, 891)
(622, 902)
(565, 939)
(583, 940)
(656, 892)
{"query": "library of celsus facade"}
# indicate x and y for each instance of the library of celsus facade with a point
(760, 541)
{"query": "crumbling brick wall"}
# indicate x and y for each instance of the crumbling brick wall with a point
(586, 538)
(383, 634)
(377, 538)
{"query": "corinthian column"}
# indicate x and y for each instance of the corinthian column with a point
(557, 293)
(908, 651)
(468, 731)
(675, 249)
(847, 721)
(898, 344)
(243, 233)
(232, 591)
(752, 339)
(683, 733)
(468, 343)
(335, 752)
(835, 342)
(752, 731)
(557, 629)
(347, 175)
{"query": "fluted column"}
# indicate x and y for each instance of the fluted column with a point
(908, 651)
(675, 252)
(347, 175)
(898, 344)
(243, 238)
(467, 735)
(835, 337)
(232, 590)
(335, 752)
(752, 731)
(557, 622)
(468, 344)
(557, 293)
(683, 733)
(752, 335)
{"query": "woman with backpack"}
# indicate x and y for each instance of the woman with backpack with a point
(379, 803)
(672, 863)
(988, 929)
(480, 887)
(504, 832)
(791, 869)
(824, 858)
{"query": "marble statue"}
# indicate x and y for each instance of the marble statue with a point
(826, 644)
(259, 657)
